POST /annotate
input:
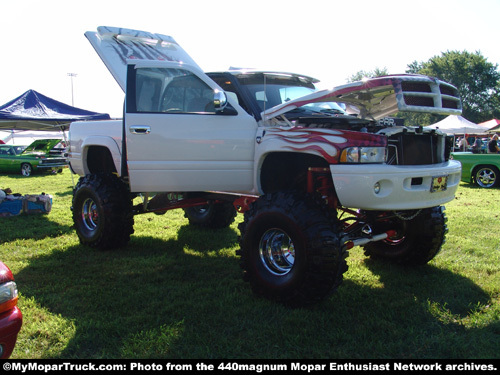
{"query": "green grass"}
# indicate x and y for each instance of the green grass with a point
(177, 292)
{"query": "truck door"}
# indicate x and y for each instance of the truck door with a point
(176, 139)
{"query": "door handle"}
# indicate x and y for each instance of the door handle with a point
(140, 129)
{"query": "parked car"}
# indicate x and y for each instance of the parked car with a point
(11, 318)
(41, 155)
(480, 169)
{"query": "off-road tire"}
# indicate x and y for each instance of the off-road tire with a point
(102, 211)
(416, 242)
(317, 260)
(213, 215)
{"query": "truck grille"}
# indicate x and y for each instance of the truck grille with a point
(419, 94)
(418, 149)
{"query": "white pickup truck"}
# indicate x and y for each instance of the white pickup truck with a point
(314, 172)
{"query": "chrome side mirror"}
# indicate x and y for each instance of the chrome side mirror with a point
(220, 100)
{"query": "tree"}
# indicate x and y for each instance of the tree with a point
(477, 81)
(367, 74)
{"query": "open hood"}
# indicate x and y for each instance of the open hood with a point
(379, 97)
(116, 45)
(375, 98)
(42, 146)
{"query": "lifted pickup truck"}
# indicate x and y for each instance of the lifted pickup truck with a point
(314, 172)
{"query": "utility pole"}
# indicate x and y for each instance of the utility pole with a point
(71, 75)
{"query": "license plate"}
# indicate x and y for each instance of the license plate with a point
(439, 183)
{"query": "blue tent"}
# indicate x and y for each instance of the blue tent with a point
(34, 111)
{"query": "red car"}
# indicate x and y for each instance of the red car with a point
(11, 318)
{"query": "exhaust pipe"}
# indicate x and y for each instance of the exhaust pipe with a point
(363, 241)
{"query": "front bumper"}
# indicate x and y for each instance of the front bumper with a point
(405, 187)
(10, 325)
(51, 166)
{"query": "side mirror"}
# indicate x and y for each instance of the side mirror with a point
(220, 100)
(221, 104)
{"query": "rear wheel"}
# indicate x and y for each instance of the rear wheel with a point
(291, 250)
(212, 215)
(102, 211)
(486, 176)
(26, 169)
(417, 238)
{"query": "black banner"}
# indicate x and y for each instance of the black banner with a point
(250, 366)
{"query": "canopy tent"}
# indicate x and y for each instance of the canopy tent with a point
(34, 111)
(495, 129)
(458, 125)
(493, 123)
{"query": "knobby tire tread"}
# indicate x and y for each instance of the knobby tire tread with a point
(325, 257)
(117, 222)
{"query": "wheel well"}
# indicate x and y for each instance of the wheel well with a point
(99, 160)
(282, 171)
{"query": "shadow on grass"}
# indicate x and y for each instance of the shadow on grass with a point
(184, 298)
(34, 226)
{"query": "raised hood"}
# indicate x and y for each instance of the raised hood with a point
(376, 98)
(116, 45)
(41, 146)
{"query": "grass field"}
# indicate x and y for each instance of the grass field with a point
(177, 292)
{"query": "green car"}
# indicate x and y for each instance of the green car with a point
(41, 155)
(481, 169)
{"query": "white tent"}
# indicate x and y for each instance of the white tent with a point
(25, 137)
(458, 125)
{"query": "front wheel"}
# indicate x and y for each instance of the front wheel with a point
(102, 211)
(26, 169)
(417, 237)
(486, 176)
(291, 250)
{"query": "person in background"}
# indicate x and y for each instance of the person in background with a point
(476, 147)
(493, 145)
(4, 193)
(462, 144)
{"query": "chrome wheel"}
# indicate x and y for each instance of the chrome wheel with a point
(26, 170)
(277, 252)
(90, 215)
(486, 177)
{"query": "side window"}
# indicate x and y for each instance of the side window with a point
(231, 91)
(167, 90)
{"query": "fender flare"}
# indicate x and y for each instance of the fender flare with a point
(102, 141)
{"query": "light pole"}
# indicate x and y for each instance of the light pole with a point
(71, 75)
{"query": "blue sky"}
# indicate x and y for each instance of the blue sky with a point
(43, 41)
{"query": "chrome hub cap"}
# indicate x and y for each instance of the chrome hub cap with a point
(486, 177)
(90, 216)
(277, 252)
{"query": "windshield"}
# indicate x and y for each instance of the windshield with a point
(270, 90)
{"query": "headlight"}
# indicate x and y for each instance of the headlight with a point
(8, 296)
(364, 155)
